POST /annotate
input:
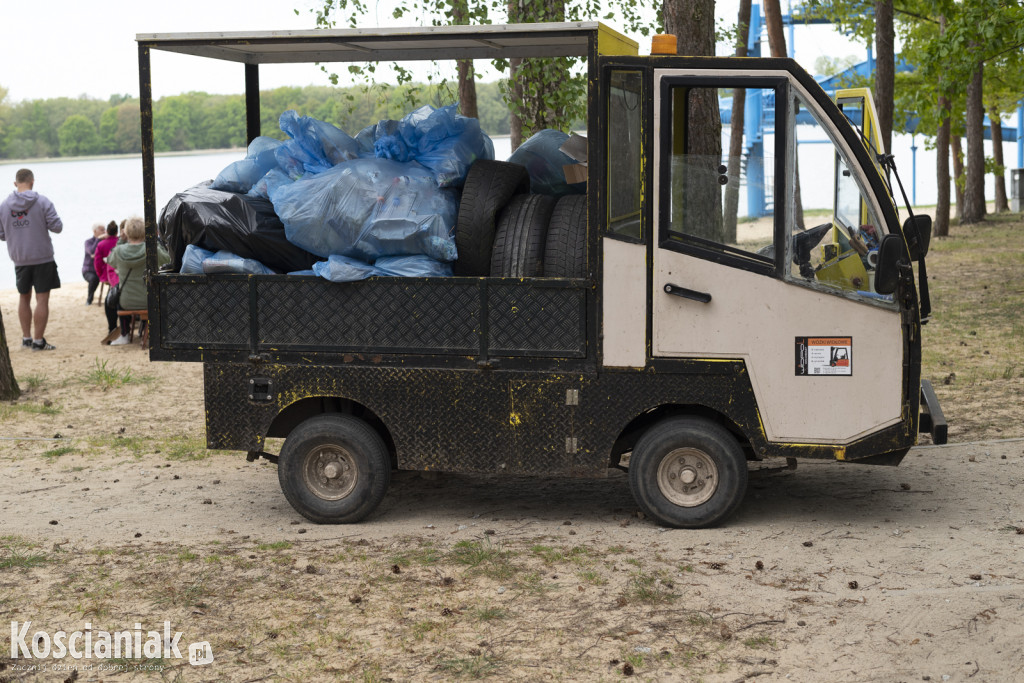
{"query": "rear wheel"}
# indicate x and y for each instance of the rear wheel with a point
(688, 472)
(334, 469)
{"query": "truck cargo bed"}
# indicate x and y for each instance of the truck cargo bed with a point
(234, 317)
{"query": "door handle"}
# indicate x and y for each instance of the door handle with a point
(693, 295)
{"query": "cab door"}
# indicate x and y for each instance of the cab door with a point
(824, 353)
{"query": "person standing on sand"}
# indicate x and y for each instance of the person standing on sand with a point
(89, 265)
(26, 220)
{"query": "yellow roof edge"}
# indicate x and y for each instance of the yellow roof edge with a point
(611, 42)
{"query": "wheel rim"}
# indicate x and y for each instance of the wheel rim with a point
(687, 477)
(330, 472)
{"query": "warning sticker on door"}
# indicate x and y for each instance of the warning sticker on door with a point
(824, 355)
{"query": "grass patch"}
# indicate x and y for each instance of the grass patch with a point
(32, 382)
(649, 589)
(9, 410)
(469, 667)
(111, 377)
(425, 555)
(758, 642)
(490, 613)
(483, 558)
(57, 452)
(276, 545)
(184, 448)
(132, 445)
(15, 558)
(971, 349)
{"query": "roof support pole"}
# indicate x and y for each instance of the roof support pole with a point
(252, 102)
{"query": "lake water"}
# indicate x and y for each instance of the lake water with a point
(100, 190)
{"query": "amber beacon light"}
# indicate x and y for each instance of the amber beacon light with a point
(663, 44)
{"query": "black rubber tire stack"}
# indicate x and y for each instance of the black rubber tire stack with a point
(565, 254)
(488, 188)
(522, 233)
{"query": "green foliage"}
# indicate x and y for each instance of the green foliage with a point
(541, 93)
(78, 136)
(201, 121)
(830, 66)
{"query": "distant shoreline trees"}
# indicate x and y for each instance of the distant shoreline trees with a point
(70, 127)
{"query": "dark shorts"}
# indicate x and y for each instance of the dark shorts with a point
(43, 277)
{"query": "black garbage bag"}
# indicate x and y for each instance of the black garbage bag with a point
(242, 224)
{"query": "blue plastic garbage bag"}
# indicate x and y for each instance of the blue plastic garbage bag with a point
(328, 145)
(544, 161)
(418, 265)
(296, 161)
(240, 176)
(264, 185)
(339, 268)
(367, 137)
(226, 262)
(368, 208)
(192, 260)
(440, 139)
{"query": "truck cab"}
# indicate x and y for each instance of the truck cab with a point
(713, 321)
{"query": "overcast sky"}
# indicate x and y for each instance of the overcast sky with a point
(68, 48)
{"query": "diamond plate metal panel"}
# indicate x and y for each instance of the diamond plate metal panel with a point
(475, 420)
(204, 312)
(382, 315)
(536, 321)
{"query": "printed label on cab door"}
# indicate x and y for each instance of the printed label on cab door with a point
(824, 356)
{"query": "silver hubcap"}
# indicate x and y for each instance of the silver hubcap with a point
(687, 477)
(330, 472)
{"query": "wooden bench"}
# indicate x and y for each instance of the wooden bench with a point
(142, 316)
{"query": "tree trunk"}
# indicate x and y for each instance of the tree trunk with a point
(997, 156)
(974, 190)
(739, 100)
(536, 82)
(942, 169)
(885, 70)
(9, 389)
(777, 46)
(693, 24)
(467, 78)
(941, 226)
(958, 174)
(515, 122)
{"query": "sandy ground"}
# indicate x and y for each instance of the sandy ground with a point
(831, 572)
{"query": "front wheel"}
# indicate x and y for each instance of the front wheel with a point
(688, 472)
(334, 469)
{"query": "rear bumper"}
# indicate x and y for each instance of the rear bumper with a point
(932, 420)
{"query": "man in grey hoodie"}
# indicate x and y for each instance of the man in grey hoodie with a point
(26, 220)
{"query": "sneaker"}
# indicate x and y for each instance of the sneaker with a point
(120, 341)
(42, 345)
(26, 344)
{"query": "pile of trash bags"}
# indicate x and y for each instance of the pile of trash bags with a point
(345, 208)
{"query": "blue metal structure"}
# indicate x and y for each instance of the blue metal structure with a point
(759, 113)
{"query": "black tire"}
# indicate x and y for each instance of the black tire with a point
(522, 231)
(346, 493)
(565, 254)
(688, 472)
(488, 188)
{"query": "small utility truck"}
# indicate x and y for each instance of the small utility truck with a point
(631, 327)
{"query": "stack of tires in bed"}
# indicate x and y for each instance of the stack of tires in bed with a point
(504, 231)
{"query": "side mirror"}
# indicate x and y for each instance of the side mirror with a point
(918, 231)
(887, 271)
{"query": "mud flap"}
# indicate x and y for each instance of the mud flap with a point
(932, 420)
